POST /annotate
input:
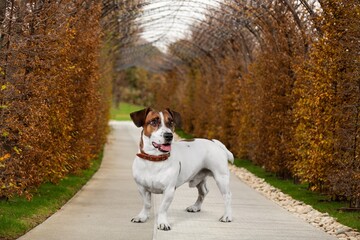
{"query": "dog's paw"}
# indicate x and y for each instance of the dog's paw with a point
(225, 219)
(139, 219)
(164, 226)
(193, 209)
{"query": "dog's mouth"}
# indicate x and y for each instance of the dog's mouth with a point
(166, 147)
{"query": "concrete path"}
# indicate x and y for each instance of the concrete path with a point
(102, 210)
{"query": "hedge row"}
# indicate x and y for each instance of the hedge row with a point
(284, 92)
(53, 102)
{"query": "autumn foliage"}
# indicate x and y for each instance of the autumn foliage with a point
(276, 81)
(281, 88)
(53, 95)
(327, 110)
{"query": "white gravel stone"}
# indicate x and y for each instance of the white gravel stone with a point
(308, 213)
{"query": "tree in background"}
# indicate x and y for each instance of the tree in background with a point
(54, 105)
(328, 108)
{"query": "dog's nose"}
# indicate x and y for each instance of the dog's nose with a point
(168, 136)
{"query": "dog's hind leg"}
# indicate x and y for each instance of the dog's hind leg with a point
(222, 181)
(202, 190)
(145, 212)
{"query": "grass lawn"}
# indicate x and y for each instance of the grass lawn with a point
(122, 112)
(300, 192)
(19, 215)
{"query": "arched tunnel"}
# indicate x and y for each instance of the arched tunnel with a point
(276, 80)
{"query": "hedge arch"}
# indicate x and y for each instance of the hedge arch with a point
(276, 80)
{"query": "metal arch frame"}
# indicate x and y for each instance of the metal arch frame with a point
(209, 35)
(203, 33)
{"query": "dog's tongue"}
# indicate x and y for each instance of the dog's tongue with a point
(165, 148)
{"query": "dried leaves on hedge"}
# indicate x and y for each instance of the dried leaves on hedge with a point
(52, 114)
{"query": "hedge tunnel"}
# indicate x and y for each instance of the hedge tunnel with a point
(276, 80)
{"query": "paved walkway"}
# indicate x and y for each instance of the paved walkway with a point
(102, 210)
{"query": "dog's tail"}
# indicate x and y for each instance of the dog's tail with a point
(230, 156)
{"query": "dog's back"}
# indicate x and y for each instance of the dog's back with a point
(199, 155)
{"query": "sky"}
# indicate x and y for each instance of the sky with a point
(166, 21)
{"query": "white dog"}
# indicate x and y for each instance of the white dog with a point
(162, 165)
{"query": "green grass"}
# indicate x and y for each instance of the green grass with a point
(18, 215)
(300, 192)
(122, 112)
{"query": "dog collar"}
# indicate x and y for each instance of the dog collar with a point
(153, 158)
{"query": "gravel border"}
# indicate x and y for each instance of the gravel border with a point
(320, 220)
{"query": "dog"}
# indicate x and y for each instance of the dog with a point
(162, 165)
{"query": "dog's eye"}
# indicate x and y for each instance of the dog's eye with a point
(155, 122)
(170, 123)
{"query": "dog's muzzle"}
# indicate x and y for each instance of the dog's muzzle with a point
(165, 147)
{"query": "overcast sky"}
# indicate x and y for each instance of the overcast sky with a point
(166, 21)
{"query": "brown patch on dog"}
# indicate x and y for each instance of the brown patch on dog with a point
(176, 118)
(152, 122)
(169, 120)
(139, 117)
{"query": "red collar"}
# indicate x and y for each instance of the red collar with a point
(153, 158)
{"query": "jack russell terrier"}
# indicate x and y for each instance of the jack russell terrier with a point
(163, 165)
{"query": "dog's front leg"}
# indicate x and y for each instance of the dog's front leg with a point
(162, 222)
(145, 212)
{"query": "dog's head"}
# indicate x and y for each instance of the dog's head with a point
(158, 128)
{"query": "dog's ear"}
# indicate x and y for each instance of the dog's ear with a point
(176, 117)
(139, 117)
